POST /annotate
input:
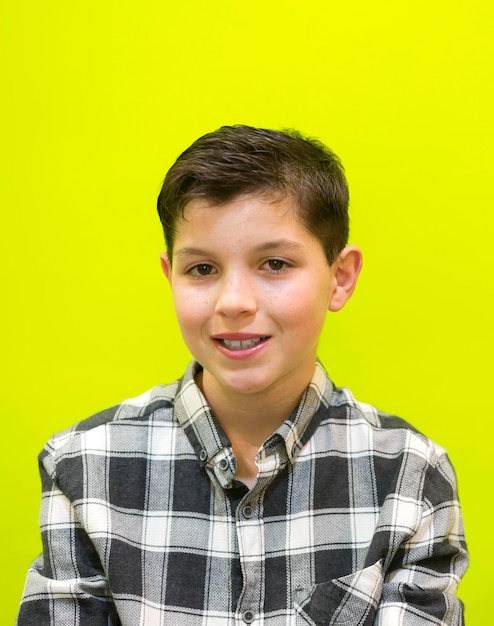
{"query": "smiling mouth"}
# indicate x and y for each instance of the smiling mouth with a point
(241, 344)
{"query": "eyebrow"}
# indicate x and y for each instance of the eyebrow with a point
(264, 247)
(190, 251)
(278, 243)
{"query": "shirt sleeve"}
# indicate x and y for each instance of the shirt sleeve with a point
(66, 584)
(421, 583)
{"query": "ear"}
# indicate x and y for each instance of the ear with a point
(346, 272)
(166, 265)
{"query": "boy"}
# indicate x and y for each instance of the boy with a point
(252, 491)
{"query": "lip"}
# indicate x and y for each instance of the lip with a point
(237, 336)
(244, 353)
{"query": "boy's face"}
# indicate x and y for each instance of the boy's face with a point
(251, 288)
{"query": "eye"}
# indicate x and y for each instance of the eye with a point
(203, 269)
(276, 265)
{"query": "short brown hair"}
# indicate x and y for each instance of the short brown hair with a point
(236, 160)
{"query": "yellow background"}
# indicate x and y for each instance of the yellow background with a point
(100, 96)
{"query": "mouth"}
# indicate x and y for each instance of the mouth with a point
(241, 344)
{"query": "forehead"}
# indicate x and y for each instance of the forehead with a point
(258, 208)
(248, 222)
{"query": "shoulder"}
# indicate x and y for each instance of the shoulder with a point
(403, 460)
(101, 430)
(386, 434)
(141, 408)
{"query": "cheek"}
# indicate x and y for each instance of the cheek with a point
(190, 310)
(303, 320)
(305, 306)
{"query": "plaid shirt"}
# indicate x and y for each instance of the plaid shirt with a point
(354, 520)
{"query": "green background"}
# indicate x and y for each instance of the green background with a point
(99, 97)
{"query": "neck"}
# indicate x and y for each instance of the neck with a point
(248, 419)
(251, 418)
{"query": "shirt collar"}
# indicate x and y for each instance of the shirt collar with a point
(211, 444)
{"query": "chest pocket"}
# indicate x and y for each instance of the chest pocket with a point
(351, 600)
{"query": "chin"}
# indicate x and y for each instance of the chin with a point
(243, 383)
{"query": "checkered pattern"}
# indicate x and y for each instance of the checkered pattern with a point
(354, 520)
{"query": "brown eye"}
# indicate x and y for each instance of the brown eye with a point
(203, 269)
(276, 265)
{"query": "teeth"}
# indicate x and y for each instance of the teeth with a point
(241, 345)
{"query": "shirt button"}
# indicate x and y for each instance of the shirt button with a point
(248, 617)
(223, 464)
(203, 455)
(247, 512)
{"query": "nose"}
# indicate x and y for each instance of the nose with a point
(236, 296)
